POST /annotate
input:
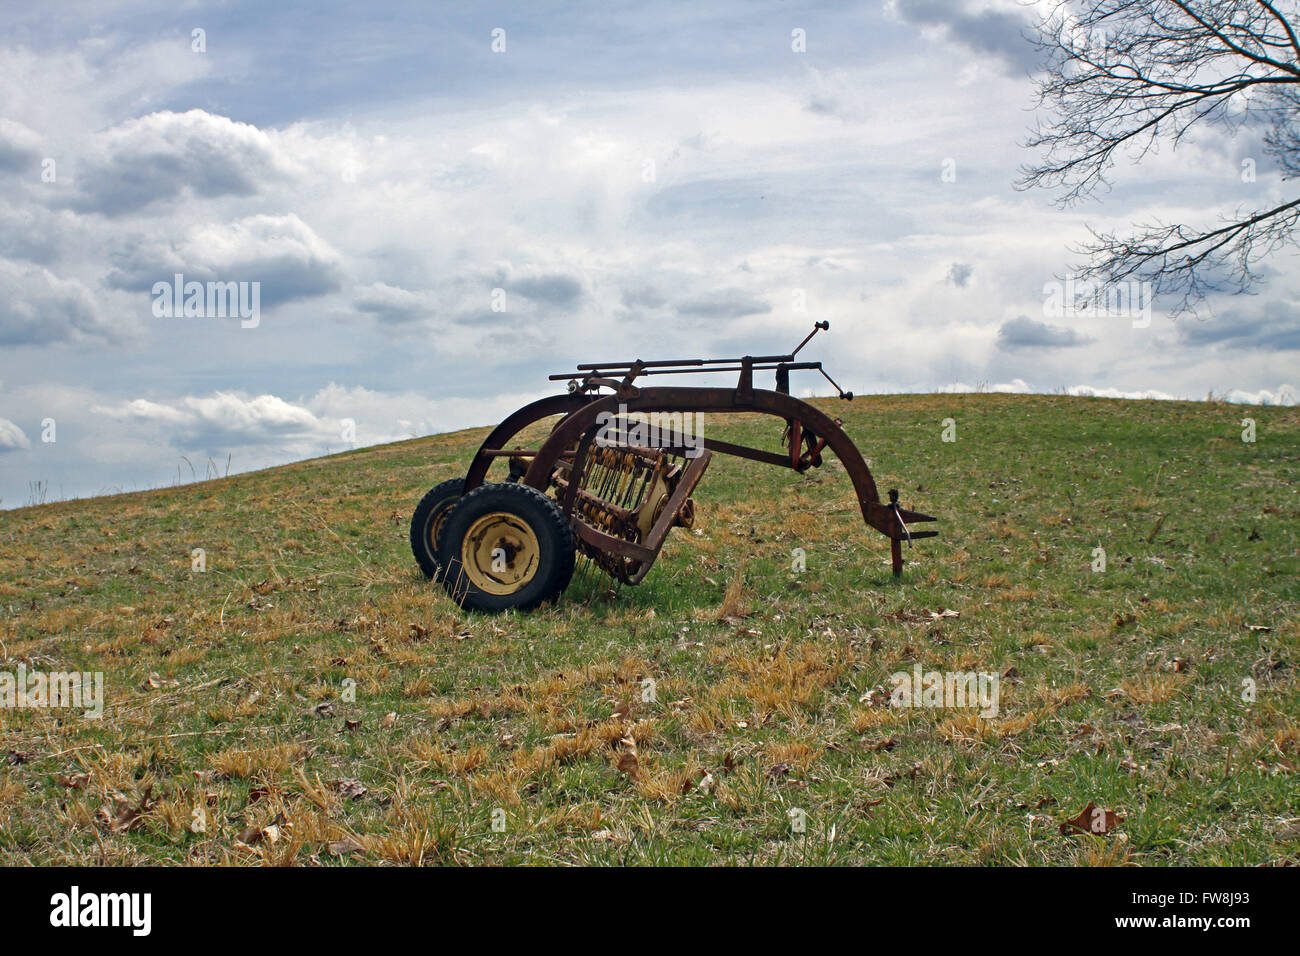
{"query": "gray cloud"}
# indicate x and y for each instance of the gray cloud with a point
(723, 304)
(997, 33)
(643, 297)
(164, 155)
(959, 274)
(547, 289)
(39, 308)
(1024, 332)
(390, 303)
(19, 147)
(33, 233)
(1276, 326)
(281, 252)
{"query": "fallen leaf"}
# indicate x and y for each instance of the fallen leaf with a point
(629, 762)
(389, 721)
(351, 789)
(323, 709)
(77, 781)
(1092, 819)
(123, 818)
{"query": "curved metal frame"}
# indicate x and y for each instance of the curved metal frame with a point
(711, 400)
(516, 422)
(582, 411)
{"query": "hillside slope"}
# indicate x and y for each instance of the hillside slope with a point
(309, 698)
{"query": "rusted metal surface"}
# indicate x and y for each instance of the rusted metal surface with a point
(622, 500)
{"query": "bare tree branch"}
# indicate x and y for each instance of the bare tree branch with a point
(1122, 77)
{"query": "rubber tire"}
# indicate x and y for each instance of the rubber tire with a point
(439, 499)
(554, 539)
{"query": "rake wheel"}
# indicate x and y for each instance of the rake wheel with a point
(505, 546)
(426, 521)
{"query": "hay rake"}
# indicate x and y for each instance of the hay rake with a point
(611, 480)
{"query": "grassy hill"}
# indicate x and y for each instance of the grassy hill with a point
(310, 698)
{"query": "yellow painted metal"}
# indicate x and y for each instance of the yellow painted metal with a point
(500, 553)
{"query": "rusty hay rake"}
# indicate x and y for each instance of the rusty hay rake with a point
(610, 482)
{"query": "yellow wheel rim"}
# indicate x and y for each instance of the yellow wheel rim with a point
(500, 553)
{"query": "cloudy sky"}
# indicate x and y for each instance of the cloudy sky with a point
(443, 202)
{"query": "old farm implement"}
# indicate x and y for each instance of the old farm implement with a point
(611, 480)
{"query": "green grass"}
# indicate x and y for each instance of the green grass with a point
(1123, 687)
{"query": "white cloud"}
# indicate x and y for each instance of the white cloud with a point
(12, 437)
(66, 90)
(1283, 395)
(39, 308)
(164, 157)
(283, 253)
(19, 146)
(334, 418)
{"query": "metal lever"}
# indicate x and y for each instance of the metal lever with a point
(847, 396)
(816, 326)
(893, 503)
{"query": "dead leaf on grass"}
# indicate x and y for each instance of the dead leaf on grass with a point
(123, 817)
(630, 762)
(351, 789)
(1092, 819)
